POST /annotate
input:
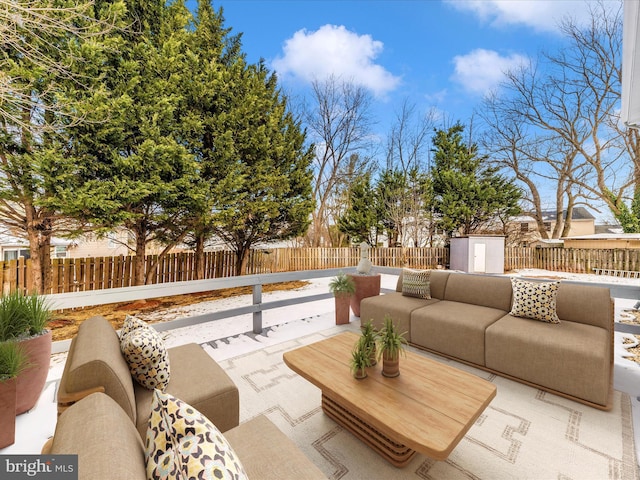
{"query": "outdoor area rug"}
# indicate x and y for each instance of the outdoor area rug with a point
(523, 433)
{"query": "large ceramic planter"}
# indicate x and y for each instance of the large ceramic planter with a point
(30, 382)
(366, 286)
(342, 308)
(7, 412)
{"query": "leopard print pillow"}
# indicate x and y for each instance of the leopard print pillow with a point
(183, 443)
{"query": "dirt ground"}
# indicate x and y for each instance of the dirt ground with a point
(64, 324)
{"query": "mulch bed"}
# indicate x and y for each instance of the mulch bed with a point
(64, 324)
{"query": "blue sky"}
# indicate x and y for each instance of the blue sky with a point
(442, 54)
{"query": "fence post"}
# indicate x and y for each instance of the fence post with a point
(257, 316)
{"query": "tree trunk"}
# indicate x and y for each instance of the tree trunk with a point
(39, 236)
(199, 253)
(139, 259)
(242, 257)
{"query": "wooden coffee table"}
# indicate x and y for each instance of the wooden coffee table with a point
(427, 409)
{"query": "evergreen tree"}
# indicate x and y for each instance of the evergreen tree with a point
(34, 146)
(360, 221)
(261, 157)
(467, 192)
(133, 170)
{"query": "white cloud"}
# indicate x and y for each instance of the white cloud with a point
(541, 15)
(334, 50)
(481, 70)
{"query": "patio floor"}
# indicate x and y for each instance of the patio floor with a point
(228, 338)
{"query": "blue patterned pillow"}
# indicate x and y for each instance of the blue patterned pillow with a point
(183, 443)
(536, 300)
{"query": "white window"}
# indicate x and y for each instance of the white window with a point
(112, 237)
(60, 251)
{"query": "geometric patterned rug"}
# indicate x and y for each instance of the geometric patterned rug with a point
(524, 433)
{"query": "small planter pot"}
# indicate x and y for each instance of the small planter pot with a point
(30, 382)
(343, 314)
(360, 374)
(390, 366)
(8, 412)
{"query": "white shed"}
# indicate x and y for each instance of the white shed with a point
(477, 254)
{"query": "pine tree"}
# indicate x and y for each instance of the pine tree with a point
(361, 219)
(467, 193)
(263, 160)
(133, 170)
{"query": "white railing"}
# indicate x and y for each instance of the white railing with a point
(62, 301)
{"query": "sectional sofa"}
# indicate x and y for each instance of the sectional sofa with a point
(468, 319)
(104, 414)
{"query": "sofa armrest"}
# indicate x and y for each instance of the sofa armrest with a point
(66, 399)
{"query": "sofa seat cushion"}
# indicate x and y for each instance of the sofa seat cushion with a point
(95, 360)
(266, 453)
(104, 438)
(394, 304)
(198, 380)
(454, 328)
(569, 357)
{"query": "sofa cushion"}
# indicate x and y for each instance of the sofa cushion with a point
(415, 283)
(95, 360)
(585, 304)
(183, 443)
(569, 357)
(394, 304)
(454, 328)
(268, 454)
(145, 353)
(535, 300)
(198, 380)
(104, 438)
(484, 290)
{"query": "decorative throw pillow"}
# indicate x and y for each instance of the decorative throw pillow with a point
(415, 283)
(183, 443)
(536, 300)
(130, 324)
(146, 354)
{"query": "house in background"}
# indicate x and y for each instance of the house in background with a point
(525, 229)
(604, 240)
(11, 247)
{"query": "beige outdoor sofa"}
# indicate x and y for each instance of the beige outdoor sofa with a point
(468, 319)
(109, 447)
(104, 414)
(95, 364)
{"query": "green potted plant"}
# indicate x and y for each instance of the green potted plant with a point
(369, 337)
(24, 319)
(390, 345)
(12, 363)
(360, 359)
(342, 288)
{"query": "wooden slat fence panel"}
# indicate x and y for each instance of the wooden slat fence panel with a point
(79, 274)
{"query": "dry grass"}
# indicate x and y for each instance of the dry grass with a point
(64, 324)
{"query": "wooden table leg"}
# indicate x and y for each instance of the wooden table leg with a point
(395, 453)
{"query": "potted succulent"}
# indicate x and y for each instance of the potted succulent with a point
(369, 337)
(12, 362)
(390, 345)
(360, 359)
(342, 288)
(24, 319)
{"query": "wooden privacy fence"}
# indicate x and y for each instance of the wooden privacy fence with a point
(95, 273)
